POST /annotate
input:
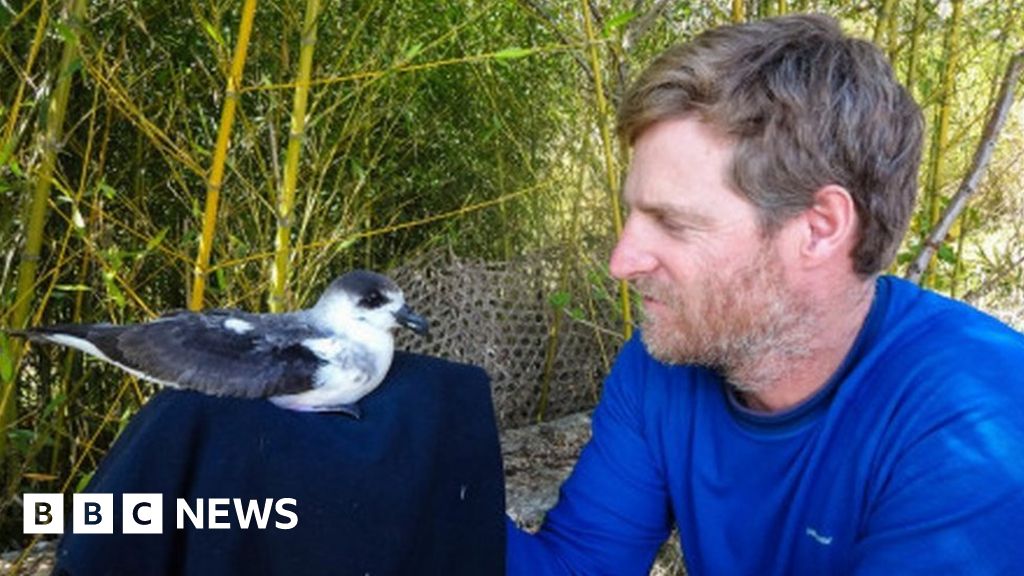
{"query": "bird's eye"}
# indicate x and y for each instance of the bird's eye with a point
(373, 300)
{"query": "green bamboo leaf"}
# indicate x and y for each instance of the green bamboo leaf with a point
(15, 168)
(21, 439)
(72, 288)
(619, 21)
(108, 191)
(55, 403)
(84, 481)
(346, 243)
(114, 258)
(560, 299)
(73, 67)
(357, 169)
(157, 240)
(66, 33)
(76, 218)
(6, 359)
(126, 417)
(512, 53)
(222, 279)
(8, 150)
(113, 292)
(947, 254)
(213, 33)
(413, 51)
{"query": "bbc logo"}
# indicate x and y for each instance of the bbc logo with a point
(143, 513)
(93, 514)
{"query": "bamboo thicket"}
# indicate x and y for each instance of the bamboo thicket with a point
(286, 198)
(982, 157)
(49, 146)
(611, 171)
(216, 176)
(940, 137)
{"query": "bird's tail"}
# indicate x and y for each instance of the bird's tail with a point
(94, 339)
(97, 340)
(47, 333)
(27, 334)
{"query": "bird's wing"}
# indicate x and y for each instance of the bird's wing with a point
(222, 352)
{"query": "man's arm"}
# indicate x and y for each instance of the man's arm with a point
(952, 502)
(613, 511)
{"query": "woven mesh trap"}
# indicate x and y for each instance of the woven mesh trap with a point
(543, 364)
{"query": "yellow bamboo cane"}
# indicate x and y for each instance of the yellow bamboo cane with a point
(9, 141)
(220, 154)
(738, 13)
(916, 30)
(940, 140)
(609, 159)
(286, 199)
(886, 14)
(28, 264)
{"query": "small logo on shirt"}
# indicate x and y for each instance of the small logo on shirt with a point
(819, 538)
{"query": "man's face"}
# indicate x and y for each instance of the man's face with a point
(714, 288)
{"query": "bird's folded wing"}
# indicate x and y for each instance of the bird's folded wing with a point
(248, 359)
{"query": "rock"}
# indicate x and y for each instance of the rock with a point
(36, 561)
(538, 459)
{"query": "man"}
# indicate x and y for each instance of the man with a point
(789, 408)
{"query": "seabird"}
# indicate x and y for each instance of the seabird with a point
(321, 359)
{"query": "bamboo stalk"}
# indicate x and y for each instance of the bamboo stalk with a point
(885, 16)
(9, 143)
(216, 178)
(286, 200)
(38, 204)
(738, 11)
(62, 414)
(609, 160)
(893, 42)
(915, 36)
(940, 140)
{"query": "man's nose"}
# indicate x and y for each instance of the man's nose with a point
(631, 257)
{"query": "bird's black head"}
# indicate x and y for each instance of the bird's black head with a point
(372, 298)
(371, 290)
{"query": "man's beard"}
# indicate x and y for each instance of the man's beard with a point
(739, 324)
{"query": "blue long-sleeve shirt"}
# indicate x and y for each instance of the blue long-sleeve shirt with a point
(910, 460)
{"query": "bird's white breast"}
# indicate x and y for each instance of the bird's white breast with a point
(354, 366)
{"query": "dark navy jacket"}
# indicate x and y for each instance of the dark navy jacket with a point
(415, 487)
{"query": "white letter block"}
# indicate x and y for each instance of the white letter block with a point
(43, 514)
(142, 513)
(92, 514)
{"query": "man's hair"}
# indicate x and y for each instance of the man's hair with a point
(806, 106)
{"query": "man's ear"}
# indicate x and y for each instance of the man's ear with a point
(829, 226)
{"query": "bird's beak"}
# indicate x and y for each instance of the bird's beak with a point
(413, 321)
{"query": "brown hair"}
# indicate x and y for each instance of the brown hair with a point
(806, 106)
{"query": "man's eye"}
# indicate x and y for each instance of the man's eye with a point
(672, 227)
